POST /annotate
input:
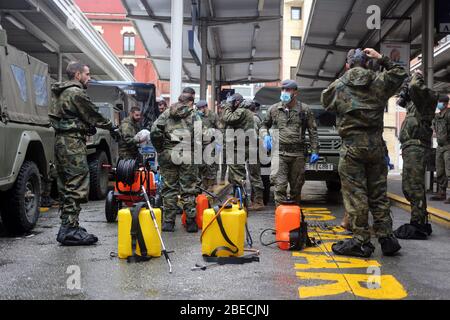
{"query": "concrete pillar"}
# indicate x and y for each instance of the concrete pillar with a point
(213, 86)
(204, 65)
(176, 49)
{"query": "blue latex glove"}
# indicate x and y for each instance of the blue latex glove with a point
(218, 148)
(314, 158)
(268, 143)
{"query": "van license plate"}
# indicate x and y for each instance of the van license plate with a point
(320, 167)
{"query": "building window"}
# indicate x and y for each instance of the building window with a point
(128, 43)
(296, 43)
(130, 68)
(293, 73)
(296, 13)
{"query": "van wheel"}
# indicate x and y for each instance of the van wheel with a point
(333, 185)
(21, 212)
(99, 176)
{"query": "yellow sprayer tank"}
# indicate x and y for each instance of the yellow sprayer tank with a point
(149, 233)
(233, 220)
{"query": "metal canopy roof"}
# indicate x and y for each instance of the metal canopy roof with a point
(234, 28)
(337, 26)
(44, 28)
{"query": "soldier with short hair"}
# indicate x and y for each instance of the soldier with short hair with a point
(441, 125)
(291, 118)
(129, 143)
(359, 99)
(415, 137)
(173, 129)
(73, 116)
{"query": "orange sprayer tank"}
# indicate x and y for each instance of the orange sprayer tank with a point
(139, 176)
(202, 203)
(287, 219)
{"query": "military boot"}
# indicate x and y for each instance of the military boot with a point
(389, 245)
(414, 231)
(191, 225)
(168, 226)
(351, 247)
(440, 196)
(75, 236)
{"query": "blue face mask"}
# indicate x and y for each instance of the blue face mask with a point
(285, 97)
(440, 106)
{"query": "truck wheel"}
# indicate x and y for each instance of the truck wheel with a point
(333, 185)
(99, 176)
(112, 207)
(21, 212)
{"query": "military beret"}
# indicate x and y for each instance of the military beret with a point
(201, 104)
(443, 98)
(237, 97)
(289, 84)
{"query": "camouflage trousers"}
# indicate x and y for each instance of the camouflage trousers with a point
(177, 180)
(254, 175)
(237, 172)
(73, 176)
(207, 174)
(291, 171)
(413, 181)
(363, 173)
(442, 168)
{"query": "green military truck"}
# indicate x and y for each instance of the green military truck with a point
(326, 169)
(26, 139)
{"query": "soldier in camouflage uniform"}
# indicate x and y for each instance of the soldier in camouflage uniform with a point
(128, 144)
(415, 137)
(171, 131)
(221, 147)
(237, 117)
(254, 169)
(73, 116)
(210, 121)
(291, 118)
(359, 98)
(441, 125)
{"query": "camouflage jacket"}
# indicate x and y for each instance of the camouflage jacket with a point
(240, 118)
(359, 99)
(72, 111)
(292, 126)
(174, 126)
(420, 111)
(258, 122)
(128, 146)
(210, 121)
(441, 125)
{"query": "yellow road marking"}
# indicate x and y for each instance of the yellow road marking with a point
(366, 284)
(389, 287)
(319, 217)
(314, 261)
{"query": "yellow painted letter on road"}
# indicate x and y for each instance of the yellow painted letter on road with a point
(389, 288)
(319, 217)
(315, 261)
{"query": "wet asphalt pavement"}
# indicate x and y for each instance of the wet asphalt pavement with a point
(36, 267)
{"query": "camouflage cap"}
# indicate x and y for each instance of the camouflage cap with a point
(188, 90)
(247, 103)
(289, 84)
(237, 97)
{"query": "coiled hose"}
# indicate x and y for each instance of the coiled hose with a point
(125, 171)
